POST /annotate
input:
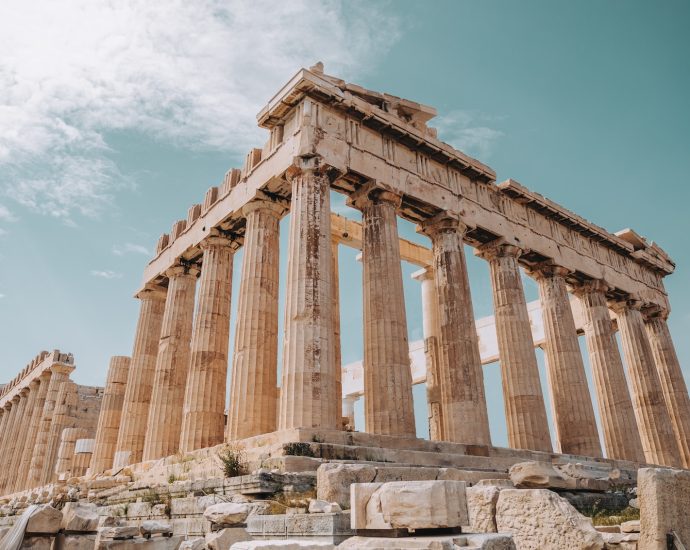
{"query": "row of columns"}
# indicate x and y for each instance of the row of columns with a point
(30, 427)
(175, 392)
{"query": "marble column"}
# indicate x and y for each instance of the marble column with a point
(653, 420)
(673, 384)
(621, 436)
(522, 394)
(432, 336)
(203, 420)
(59, 374)
(389, 409)
(308, 391)
(33, 426)
(5, 414)
(572, 403)
(65, 404)
(16, 420)
(65, 455)
(137, 400)
(462, 378)
(110, 415)
(172, 364)
(337, 353)
(22, 435)
(254, 387)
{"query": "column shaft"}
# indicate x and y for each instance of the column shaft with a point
(432, 338)
(621, 435)
(307, 397)
(656, 431)
(203, 422)
(337, 353)
(572, 403)
(522, 394)
(33, 426)
(389, 408)
(58, 377)
(65, 455)
(110, 415)
(22, 436)
(4, 422)
(172, 364)
(462, 378)
(18, 406)
(673, 384)
(137, 400)
(65, 404)
(254, 389)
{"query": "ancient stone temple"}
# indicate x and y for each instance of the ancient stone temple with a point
(172, 398)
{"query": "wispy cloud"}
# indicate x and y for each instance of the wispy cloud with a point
(106, 274)
(127, 248)
(190, 73)
(469, 132)
(6, 215)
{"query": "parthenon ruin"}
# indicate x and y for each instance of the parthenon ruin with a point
(326, 135)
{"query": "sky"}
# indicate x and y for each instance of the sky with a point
(115, 117)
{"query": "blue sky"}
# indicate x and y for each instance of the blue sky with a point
(115, 118)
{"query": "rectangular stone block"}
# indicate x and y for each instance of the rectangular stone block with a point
(664, 498)
(409, 505)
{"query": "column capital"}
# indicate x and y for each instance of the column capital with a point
(182, 269)
(547, 270)
(151, 291)
(374, 191)
(424, 274)
(263, 202)
(61, 368)
(624, 304)
(446, 221)
(308, 164)
(498, 248)
(589, 286)
(217, 239)
(655, 311)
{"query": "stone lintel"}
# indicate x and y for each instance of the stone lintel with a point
(374, 191)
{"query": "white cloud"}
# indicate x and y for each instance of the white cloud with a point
(194, 73)
(122, 249)
(6, 215)
(106, 274)
(467, 132)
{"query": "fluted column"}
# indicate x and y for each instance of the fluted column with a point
(65, 404)
(572, 403)
(22, 436)
(16, 419)
(254, 388)
(522, 394)
(389, 408)
(432, 337)
(172, 364)
(673, 384)
(653, 420)
(620, 432)
(137, 400)
(203, 421)
(58, 377)
(307, 397)
(110, 415)
(34, 422)
(462, 378)
(337, 354)
(5, 414)
(65, 455)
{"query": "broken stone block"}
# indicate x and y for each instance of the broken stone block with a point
(226, 538)
(37, 543)
(286, 544)
(539, 518)
(118, 532)
(227, 513)
(488, 541)
(333, 481)
(630, 526)
(664, 498)
(409, 505)
(45, 519)
(158, 543)
(481, 507)
(154, 527)
(193, 544)
(80, 517)
(621, 541)
(82, 541)
(317, 506)
(538, 475)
